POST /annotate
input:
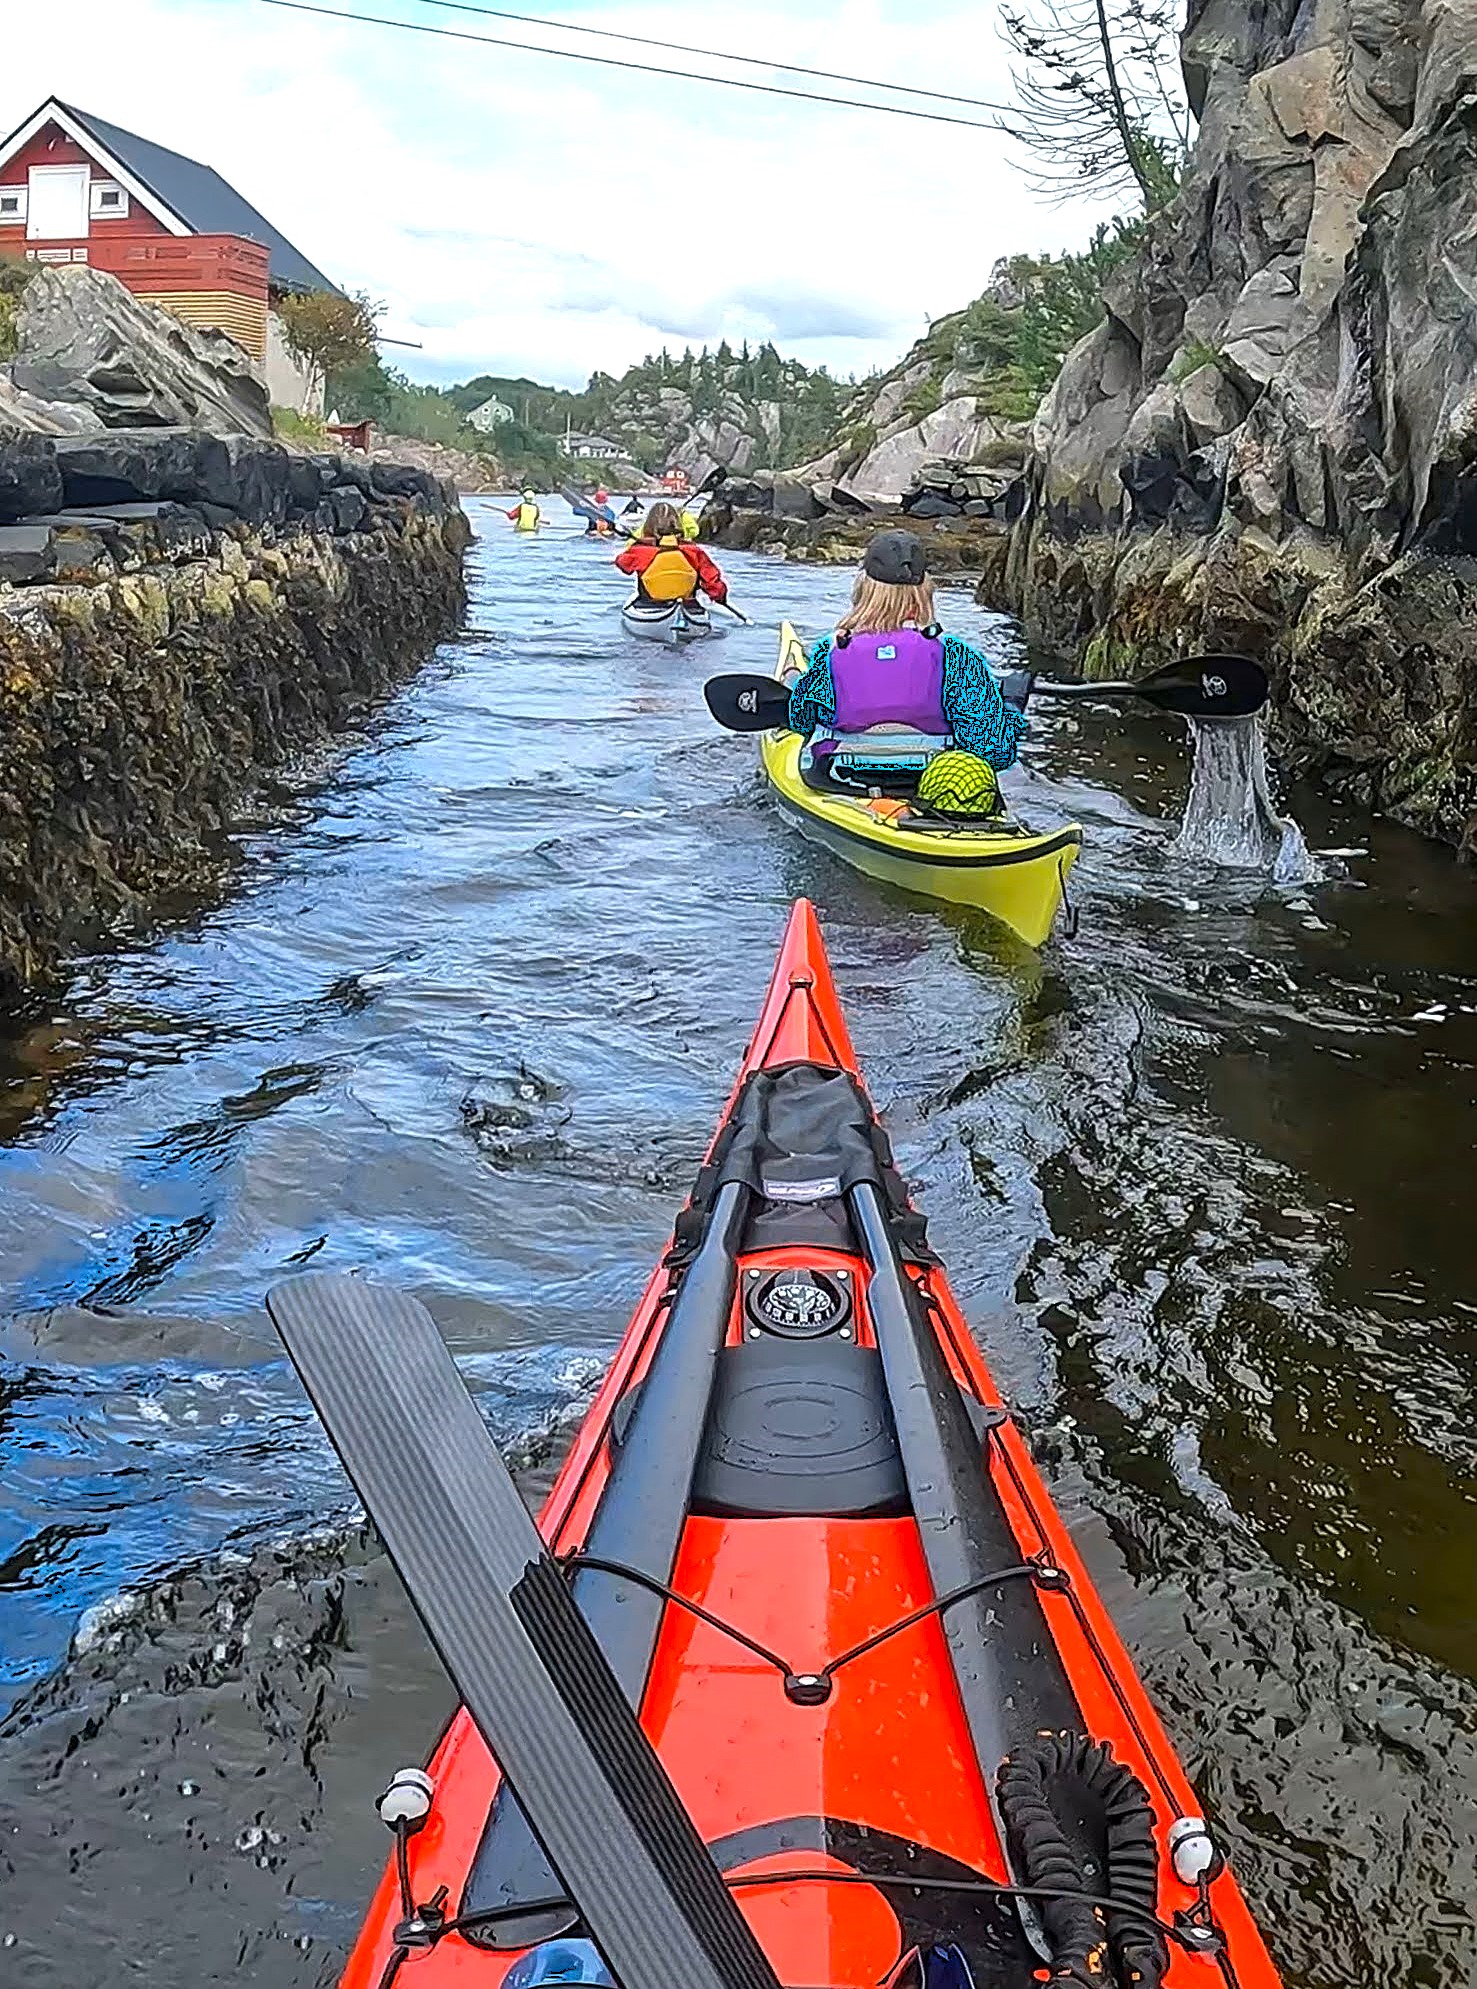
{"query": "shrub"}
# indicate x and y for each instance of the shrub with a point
(15, 274)
(858, 441)
(329, 331)
(1192, 355)
(308, 431)
(925, 399)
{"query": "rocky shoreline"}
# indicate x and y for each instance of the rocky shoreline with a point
(1269, 442)
(178, 613)
(959, 548)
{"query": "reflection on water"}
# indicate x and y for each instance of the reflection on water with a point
(1201, 1175)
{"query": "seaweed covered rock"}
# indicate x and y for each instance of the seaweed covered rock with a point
(158, 652)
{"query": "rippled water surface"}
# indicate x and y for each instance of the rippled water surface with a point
(1203, 1175)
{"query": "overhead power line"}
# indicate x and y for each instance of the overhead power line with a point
(715, 54)
(613, 62)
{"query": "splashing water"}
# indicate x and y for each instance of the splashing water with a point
(1230, 817)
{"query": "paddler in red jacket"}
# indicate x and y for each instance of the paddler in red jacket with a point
(667, 567)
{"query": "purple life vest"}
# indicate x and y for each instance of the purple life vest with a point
(892, 679)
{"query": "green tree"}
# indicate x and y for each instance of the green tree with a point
(328, 331)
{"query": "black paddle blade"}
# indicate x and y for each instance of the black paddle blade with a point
(747, 702)
(1207, 687)
(517, 1649)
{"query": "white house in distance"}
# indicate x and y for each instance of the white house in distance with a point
(74, 188)
(591, 449)
(490, 415)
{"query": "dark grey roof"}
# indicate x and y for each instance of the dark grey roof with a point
(202, 199)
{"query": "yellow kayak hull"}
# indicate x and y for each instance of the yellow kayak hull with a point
(1014, 875)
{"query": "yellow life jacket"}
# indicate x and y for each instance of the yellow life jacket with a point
(527, 519)
(690, 526)
(670, 576)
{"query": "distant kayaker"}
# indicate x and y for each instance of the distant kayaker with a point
(665, 565)
(525, 514)
(599, 518)
(890, 663)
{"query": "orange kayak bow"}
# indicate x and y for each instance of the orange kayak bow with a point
(811, 1543)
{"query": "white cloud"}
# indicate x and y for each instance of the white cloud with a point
(523, 215)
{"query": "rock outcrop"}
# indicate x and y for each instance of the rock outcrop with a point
(1271, 442)
(940, 403)
(476, 475)
(714, 410)
(89, 355)
(177, 612)
(825, 525)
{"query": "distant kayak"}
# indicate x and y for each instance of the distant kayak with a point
(667, 621)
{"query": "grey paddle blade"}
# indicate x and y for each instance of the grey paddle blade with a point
(517, 1649)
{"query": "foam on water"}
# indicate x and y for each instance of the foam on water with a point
(1230, 816)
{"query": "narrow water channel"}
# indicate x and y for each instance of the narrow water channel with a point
(1202, 1174)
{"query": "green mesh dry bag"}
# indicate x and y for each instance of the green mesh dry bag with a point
(959, 784)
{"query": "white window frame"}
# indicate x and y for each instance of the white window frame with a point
(101, 210)
(16, 216)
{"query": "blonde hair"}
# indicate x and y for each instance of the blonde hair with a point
(663, 521)
(876, 608)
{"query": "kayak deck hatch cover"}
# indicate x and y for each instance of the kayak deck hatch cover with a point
(809, 1539)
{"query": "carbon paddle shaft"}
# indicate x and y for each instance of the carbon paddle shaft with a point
(1010, 1678)
(517, 1649)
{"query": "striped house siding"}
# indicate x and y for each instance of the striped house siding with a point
(241, 318)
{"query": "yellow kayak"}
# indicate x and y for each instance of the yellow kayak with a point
(1015, 875)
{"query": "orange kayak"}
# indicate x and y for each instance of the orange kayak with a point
(812, 1544)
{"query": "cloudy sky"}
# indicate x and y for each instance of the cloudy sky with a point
(521, 214)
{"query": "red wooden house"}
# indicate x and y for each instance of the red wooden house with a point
(76, 189)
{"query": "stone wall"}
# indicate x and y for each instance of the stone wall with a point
(1271, 442)
(961, 548)
(177, 613)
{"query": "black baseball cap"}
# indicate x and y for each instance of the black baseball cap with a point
(896, 559)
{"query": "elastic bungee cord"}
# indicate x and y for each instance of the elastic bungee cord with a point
(426, 1926)
(813, 1688)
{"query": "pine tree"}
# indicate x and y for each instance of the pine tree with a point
(1101, 96)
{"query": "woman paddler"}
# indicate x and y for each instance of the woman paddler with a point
(665, 565)
(889, 663)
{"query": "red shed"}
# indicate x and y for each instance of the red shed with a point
(74, 188)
